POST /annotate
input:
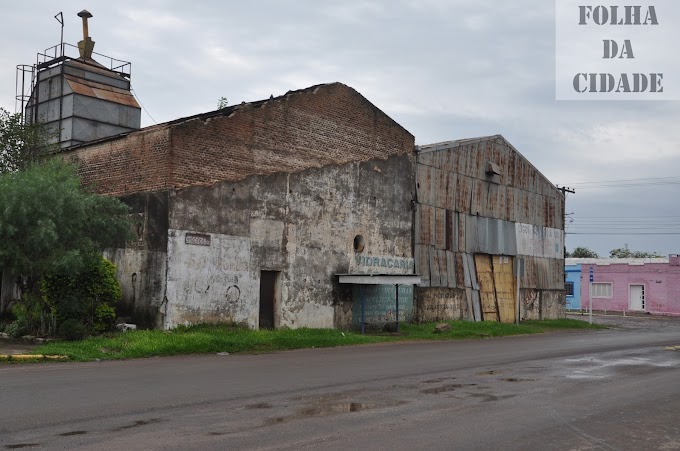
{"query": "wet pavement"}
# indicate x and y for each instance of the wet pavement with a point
(646, 322)
(605, 389)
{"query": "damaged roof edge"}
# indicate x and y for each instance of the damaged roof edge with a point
(258, 103)
(434, 147)
(230, 109)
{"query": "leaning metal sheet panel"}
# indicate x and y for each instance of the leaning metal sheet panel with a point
(451, 231)
(502, 211)
(529, 278)
(440, 228)
(509, 238)
(494, 236)
(459, 160)
(509, 203)
(425, 225)
(451, 269)
(463, 194)
(542, 273)
(435, 276)
(443, 268)
(491, 207)
(476, 305)
(422, 261)
(482, 234)
(471, 166)
(449, 160)
(471, 232)
(451, 191)
(466, 271)
(462, 243)
(441, 188)
(424, 184)
(461, 272)
(473, 271)
(504, 162)
(480, 192)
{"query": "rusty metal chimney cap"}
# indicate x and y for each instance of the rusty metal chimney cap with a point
(85, 13)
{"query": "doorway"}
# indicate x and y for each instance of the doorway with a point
(637, 297)
(269, 298)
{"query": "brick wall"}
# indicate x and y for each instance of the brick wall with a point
(319, 126)
(133, 163)
(323, 125)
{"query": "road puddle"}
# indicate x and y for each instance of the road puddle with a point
(72, 433)
(334, 409)
(259, 405)
(444, 388)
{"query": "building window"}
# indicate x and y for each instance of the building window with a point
(601, 290)
(569, 288)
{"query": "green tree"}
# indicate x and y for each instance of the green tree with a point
(222, 103)
(50, 224)
(20, 144)
(627, 253)
(582, 252)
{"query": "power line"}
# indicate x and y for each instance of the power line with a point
(622, 233)
(626, 180)
(143, 107)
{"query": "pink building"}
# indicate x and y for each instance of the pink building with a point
(649, 285)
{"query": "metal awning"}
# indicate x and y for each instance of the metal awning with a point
(380, 279)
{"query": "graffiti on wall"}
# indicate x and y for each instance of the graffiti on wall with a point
(538, 241)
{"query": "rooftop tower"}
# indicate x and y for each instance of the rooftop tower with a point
(77, 98)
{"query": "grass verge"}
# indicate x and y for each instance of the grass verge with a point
(208, 339)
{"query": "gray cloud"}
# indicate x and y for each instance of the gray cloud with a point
(443, 69)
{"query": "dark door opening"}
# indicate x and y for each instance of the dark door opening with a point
(269, 289)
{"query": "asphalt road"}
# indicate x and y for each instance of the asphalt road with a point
(614, 389)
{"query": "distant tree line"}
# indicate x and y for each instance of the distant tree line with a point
(584, 252)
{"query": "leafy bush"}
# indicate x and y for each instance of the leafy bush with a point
(30, 313)
(17, 329)
(72, 330)
(86, 297)
(104, 318)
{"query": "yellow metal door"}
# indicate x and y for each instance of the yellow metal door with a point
(505, 288)
(487, 290)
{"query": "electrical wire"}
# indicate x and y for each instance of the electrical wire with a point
(143, 107)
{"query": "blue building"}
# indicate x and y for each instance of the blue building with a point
(572, 286)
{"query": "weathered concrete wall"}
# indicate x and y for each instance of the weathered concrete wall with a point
(301, 224)
(441, 304)
(541, 304)
(141, 266)
(283, 184)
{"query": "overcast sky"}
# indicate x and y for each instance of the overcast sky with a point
(443, 69)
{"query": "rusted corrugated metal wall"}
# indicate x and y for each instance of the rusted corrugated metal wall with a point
(463, 210)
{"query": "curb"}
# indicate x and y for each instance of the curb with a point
(29, 357)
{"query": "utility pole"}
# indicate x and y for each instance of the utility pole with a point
(565, 190)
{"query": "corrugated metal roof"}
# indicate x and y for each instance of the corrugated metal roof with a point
(101, 91)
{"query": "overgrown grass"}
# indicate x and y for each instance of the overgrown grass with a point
(207, 339)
